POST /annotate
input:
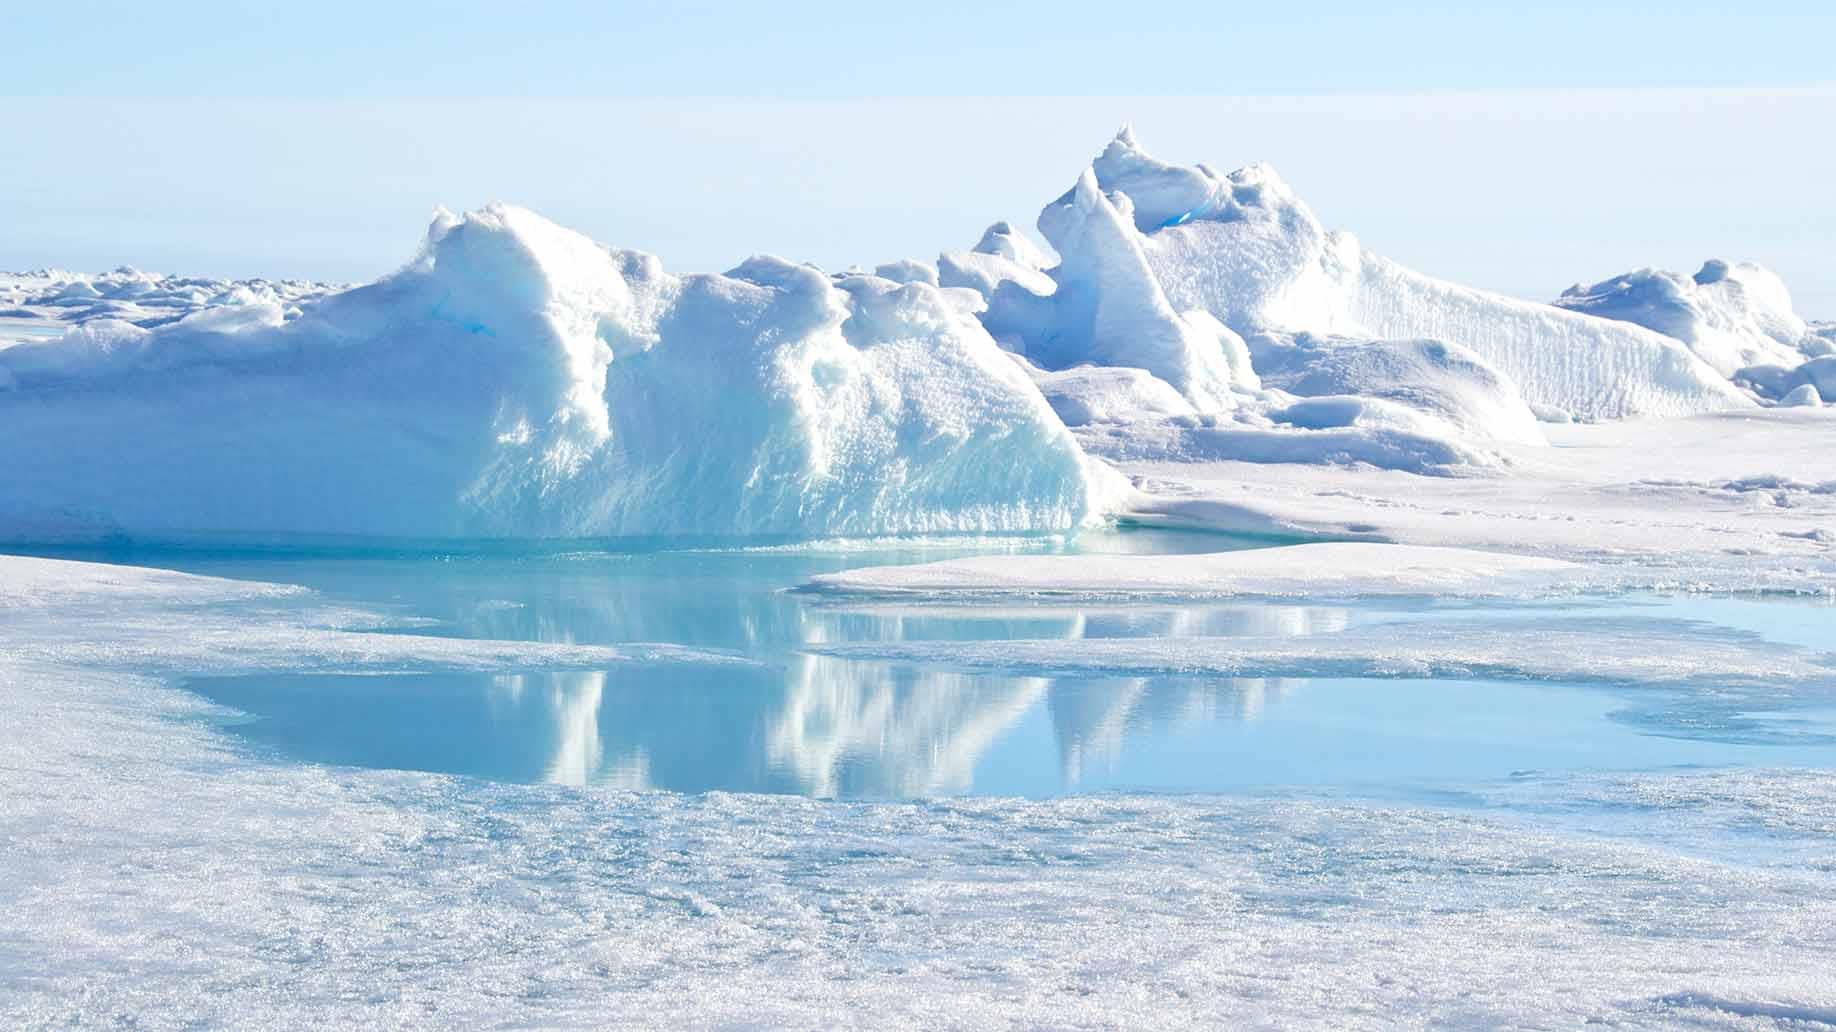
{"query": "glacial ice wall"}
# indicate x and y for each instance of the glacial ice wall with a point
(517, 379)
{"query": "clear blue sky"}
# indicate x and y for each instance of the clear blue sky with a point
(313, 139)
(798, 48)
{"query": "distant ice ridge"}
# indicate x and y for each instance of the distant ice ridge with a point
(517, 379)
(48, 301)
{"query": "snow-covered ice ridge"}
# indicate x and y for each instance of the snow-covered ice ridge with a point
(516, 379)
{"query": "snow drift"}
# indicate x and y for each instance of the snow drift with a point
(517, 379)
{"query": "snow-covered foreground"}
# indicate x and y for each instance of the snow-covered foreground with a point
(157, 874)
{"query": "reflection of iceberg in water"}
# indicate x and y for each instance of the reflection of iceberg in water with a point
(575, 699)
(830, 726)
(793, 723)
(823, 726)
(836, 727)
(1093, 720)
(863, 729)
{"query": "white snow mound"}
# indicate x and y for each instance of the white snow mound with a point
(1445, 383)
(1732, 315)
(517, 379)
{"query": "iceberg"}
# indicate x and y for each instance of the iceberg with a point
(1168, 267)
(516, 379)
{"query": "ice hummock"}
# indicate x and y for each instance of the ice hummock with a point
(1737, 315)
(518, 379)
(1732, 314)
(1100, 305)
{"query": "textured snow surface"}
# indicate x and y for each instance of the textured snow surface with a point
(517, 379)
(1438, 381)
(1415, 406)
(1324, 569)
(157, 875)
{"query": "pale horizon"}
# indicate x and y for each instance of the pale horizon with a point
(1541, 189)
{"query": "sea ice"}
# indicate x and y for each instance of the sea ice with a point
(1641, 653)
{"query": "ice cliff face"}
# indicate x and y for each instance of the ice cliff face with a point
(517, 379)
